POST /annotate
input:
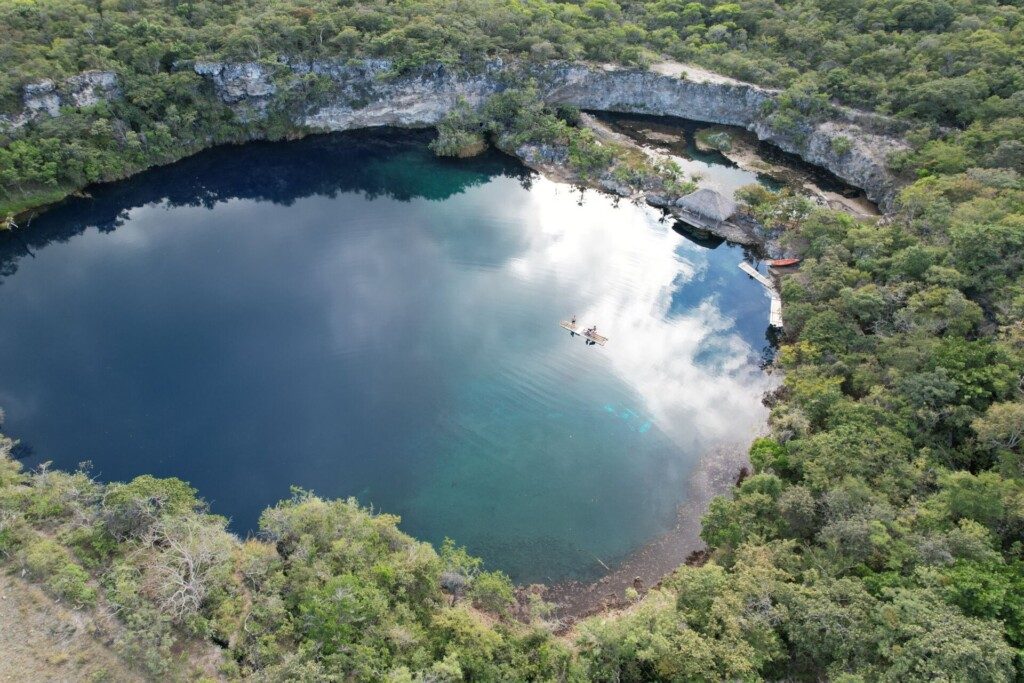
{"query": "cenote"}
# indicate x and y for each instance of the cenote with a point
(351, 315)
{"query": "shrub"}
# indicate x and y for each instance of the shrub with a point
(93, 545)
(493, 592)
(460, 133)
(131, 509)
(587, 156)
(47, 561)
(568, 113)
(841, 145)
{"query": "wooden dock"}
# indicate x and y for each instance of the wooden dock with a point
(775, 308)
(752, 272)
(775, 311)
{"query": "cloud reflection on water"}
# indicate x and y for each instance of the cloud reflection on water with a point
(627, 268)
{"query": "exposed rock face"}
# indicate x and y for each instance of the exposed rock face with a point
(238, 82)
(864, 165)
(89, 88)
(45, 98)
(370, 98)
(726, 101)
(248, 87)
(41, 98)
(367, 94)
(648, 92)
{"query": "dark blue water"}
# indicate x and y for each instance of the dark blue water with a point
(349, 314)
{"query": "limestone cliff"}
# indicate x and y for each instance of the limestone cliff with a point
(46, 97)
(675, 90)
(367, 93)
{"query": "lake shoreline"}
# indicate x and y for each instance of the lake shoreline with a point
(713, 476)
(643, 569)
(556, 167)
(553, 169)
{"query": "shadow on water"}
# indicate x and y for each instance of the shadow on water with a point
(375, 162)
(702, 238)
(710, 241)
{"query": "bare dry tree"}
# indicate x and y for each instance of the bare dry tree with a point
(191, 556)
(9, 520)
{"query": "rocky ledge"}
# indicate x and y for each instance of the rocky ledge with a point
(46, 97)
(853, 145)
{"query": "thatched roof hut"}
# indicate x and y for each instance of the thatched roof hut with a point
(709, 204)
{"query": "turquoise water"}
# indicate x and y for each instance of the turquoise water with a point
(349, 314)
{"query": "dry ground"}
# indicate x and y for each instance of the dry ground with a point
(43, 640)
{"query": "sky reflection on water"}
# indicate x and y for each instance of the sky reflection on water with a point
(349, 314)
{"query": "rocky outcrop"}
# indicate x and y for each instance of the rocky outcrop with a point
(248, 87)
(45, 98)
(715, 99)
(863, 165)
(40, 98)
(89, 88)
(369, 94)
(371, 97)
(617, 89)
(364, 94)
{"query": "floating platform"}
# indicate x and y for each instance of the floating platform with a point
(598, 339)
(775, 308)
(752, 272)
(775, 312)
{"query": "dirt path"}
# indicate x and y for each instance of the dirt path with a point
(42, 640)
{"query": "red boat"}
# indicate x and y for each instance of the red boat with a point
(783, 262)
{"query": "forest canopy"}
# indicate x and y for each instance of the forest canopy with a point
(932, 62)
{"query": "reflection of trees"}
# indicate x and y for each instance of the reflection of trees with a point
(379, 163)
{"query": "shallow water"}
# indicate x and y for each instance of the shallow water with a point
(678, 138)
(349, 314)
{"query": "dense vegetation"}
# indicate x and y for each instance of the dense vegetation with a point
(881, 536)
(330, 592)
(930, 61)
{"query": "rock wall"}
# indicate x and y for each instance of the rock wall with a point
(369, 97)
(715, 99)
(247, 87)
(45, 98)
(366, 94)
